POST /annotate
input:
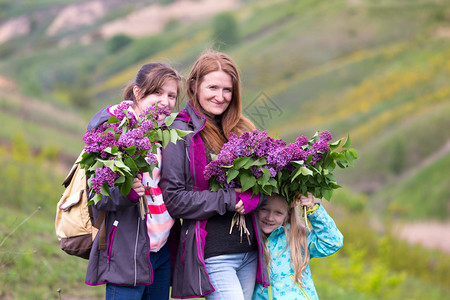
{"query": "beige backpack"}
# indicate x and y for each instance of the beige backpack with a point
(74, 221)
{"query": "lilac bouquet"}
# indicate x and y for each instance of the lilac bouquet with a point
(311, 166)
(124, 146)
(250, 161)
(258, 162)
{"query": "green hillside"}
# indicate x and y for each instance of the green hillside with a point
(377, 70)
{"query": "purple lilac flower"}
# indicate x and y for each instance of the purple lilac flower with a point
(130, 138)
(147, 125)
(101, 176)
(92, 141)
(325, 136)
(301, 141)
(152, 113)
(256, 171)
(213, 169)
(151, 158)
(321, 146)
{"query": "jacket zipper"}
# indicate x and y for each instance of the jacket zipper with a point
(197, 229)
(184, 246)
(300, 287)
(135, 250)
(111, 240)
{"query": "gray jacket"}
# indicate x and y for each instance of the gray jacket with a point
(126, 260)
(187, 196)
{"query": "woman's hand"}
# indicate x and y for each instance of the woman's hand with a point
(239, 208)
(137, 186)
(307, 201)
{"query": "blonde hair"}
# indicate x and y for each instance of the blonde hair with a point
(232, 119)
(296, 237)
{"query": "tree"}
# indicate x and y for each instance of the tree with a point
(226, 29)
(118, 42)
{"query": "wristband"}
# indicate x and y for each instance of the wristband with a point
(311, 210)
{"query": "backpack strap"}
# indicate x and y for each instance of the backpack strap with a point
(100, 225)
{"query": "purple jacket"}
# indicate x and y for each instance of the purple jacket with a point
(126, 260)
(186, 195)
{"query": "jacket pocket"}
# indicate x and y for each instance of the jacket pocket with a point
(112, 233)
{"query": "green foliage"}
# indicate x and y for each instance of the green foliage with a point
(225, 29)
(118, 42)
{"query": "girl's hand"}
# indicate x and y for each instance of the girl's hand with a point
(137, 186)
(307, 201)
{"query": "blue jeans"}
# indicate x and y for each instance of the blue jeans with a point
(159, 290)
(233, 276)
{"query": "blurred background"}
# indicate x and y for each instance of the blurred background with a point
(377, 70)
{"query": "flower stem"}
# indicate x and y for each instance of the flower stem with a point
(305, 216)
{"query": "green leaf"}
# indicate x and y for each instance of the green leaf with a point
(119, 180)
(347, 143)
(112, 120)
(182, 133)
(166, 138)
(327, 194)
(305, 171)
(240, 162)
(335, 145)
(214, 156)
(95, 199)
(131, 150)
(104, 190)
(129, 162)
(125, 188)
(247, 181)
(169, 120)
(266, 175)
(98, 164)
(232, 174)
(173, 136)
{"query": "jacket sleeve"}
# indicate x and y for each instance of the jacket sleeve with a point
(176, 185)
(324, 238)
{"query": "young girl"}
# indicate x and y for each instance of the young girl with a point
(289, 246)
(211, 262)
(135, 264)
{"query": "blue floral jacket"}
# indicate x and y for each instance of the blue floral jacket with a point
(323, 240)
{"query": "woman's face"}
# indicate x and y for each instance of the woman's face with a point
(166, 97)
(273, 215)
(215, 92)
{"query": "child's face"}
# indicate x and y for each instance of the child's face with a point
(273, 215)
(166, 97)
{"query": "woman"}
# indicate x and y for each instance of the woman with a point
(135, 264)
(210, 261)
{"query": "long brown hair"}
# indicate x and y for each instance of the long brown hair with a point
(232, 119)
(150, 79)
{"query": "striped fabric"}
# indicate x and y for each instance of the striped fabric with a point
(160, 222)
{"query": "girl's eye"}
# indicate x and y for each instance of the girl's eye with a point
(263, 209)
(228, 90)
(172, 96)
